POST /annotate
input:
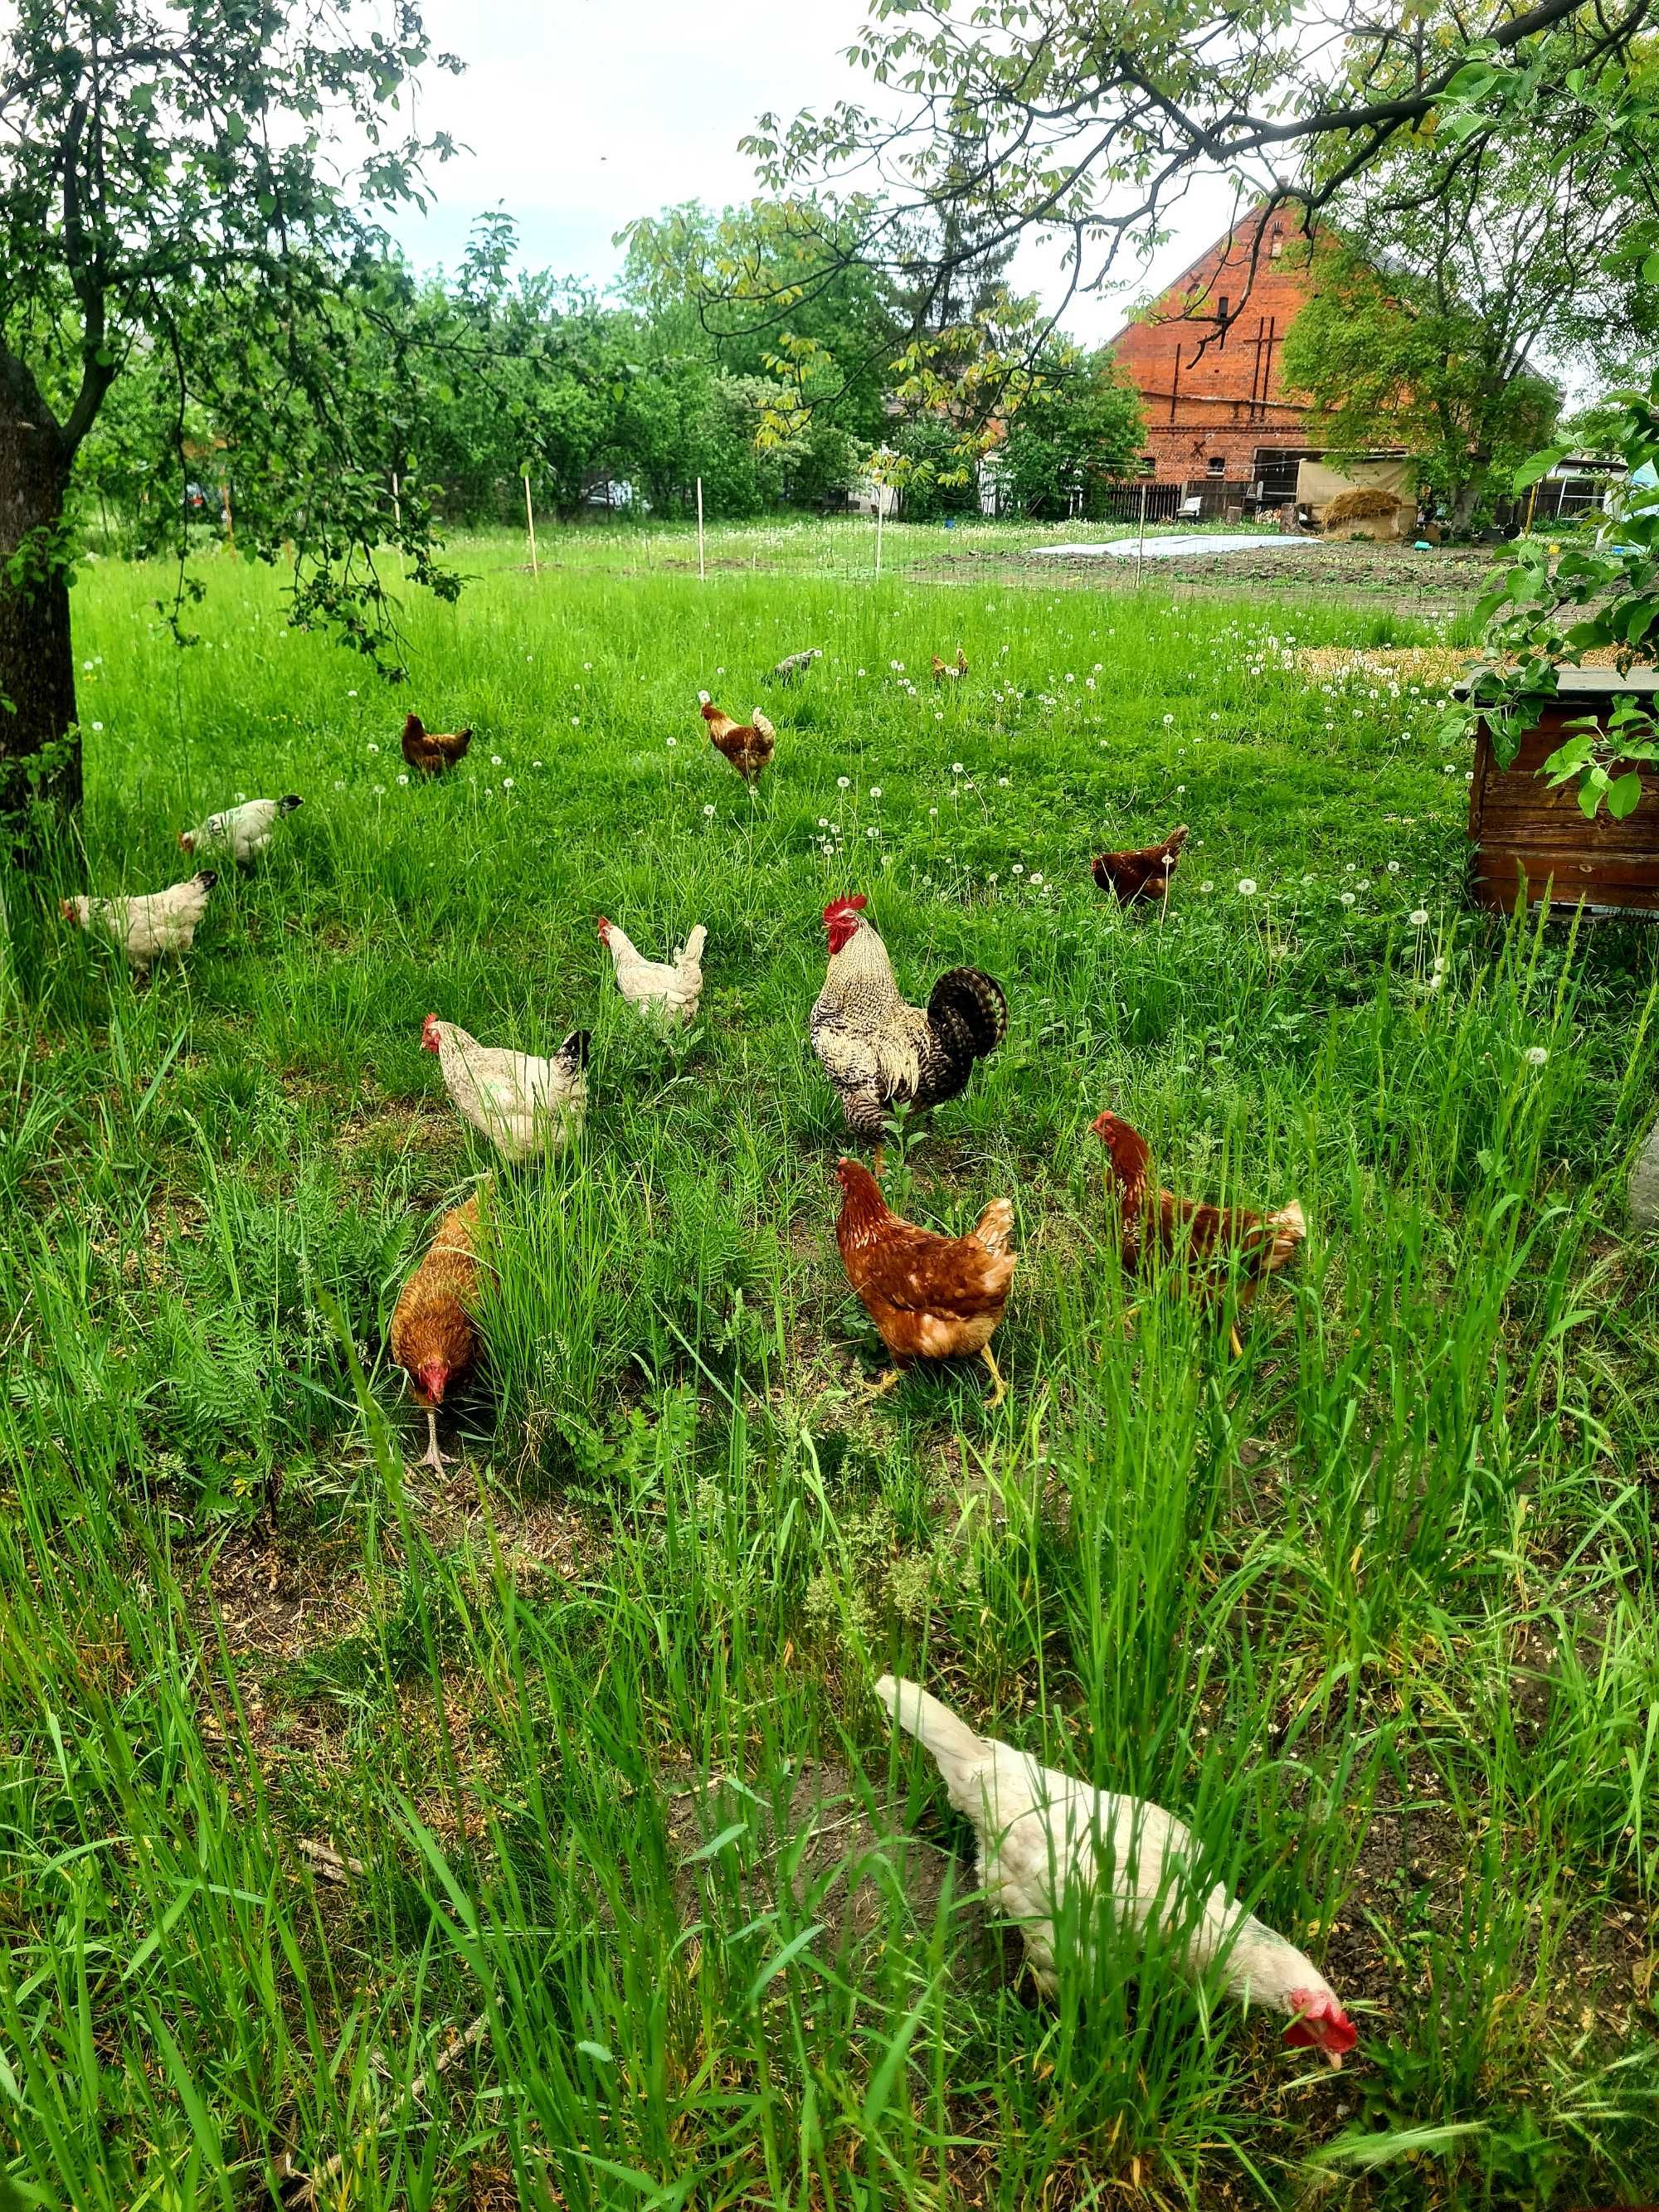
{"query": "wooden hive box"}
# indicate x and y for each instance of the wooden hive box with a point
(1525, 834)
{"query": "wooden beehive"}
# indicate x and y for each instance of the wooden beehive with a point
(1525, 834)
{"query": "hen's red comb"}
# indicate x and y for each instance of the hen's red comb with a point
(1323, 2023)
(856, 904)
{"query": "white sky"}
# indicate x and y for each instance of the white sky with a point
(581, 114)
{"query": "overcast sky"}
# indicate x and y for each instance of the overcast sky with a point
(580, 114)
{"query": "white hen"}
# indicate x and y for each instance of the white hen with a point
(150, 924)
(522, 1104)
(243, 831)
(669, 989)
(1040, 1832)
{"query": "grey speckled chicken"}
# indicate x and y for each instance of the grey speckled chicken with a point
(1041, 1833)
(878, 1051)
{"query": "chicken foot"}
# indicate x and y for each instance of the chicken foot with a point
(435, 1459)
(883, 1383)
(1001, 1389)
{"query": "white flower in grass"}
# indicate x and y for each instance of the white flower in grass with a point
(495, 760)
(575, 721)
(709, 812)
(1206, 885)
(955, 768)
(861, 672)
(1168, 722)
(351, 695)
(1002, 783)
(824, 821)
(379, 790)
(1019, 867)
(403, 779)
(843, 783)
(1418, 916)
(875, 790)
(1035, 882)
(1394, 868)
(537, 763)
(507, 783)
(672, 742)
(1347, 898)
(933, 811)
(340, 783)
(1439, 963)
(872, 831)
(1247, 887)
(99, 726)
(1534, 1055)
(1363, 884)
(374, 748)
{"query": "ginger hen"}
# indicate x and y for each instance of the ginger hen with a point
(1205, 1240)
(432, 1335)
(951, 671)
(930, 1297)
(1132, 876)
(748, 745)
(880, 1052)
(1041, 1833)
(433, 751)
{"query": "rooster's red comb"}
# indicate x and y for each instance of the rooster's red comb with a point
(856, 904)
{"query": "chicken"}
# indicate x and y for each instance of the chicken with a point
(1042, 1833)
(523, 1105)
(951, 671)
(670, 989)
(878, 1051)
(748, 745)
(432, 1336)
(1206, 1239)
(433, 751)
(796, 664)
(150, 924)
(930, 1297)
(1143, 875)
(242, 832)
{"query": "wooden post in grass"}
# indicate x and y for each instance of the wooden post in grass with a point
(878, 513)
(530, 517)
(398, 517)
(703, 574)
(1140, 543)
(224, 505)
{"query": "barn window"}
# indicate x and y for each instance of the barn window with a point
(1276, 245)
(1149, 465)
(1216, 465)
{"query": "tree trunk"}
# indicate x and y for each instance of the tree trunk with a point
(1459, 509)
(37, 657)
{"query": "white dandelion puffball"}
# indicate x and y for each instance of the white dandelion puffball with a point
(703, 699)
(933, 811)
(824, 821)
(575, 721)
(1534, 1055)
(374, 748)
(1035, 880)
(1247, 887)
(507, 783)
(672, 742)
(1168, 722)
(843, 783)
(709, 812)
(495, 760)
(875, 790)
(1418, 916)
(1347, 898)
(349, 695)
(955, 768)
(403, 779)
(1206, 885)
(1002, 783)
(98, 726)
(1019, 867)
(1394, 868)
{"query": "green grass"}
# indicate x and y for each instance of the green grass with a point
(1372, 1609)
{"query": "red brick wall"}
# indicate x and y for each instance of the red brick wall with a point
(1227, 398)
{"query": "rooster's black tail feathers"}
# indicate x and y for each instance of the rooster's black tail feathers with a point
(969, 1013)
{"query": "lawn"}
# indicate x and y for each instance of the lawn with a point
(588, 1725)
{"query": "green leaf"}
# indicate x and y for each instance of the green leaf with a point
(716, 1845)
(1650, 270)
(791, 1950)
(1589, 792)
(1624, 795)
(596, 2051)
(1539, 466)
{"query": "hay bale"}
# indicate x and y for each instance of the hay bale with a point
(1364, 503)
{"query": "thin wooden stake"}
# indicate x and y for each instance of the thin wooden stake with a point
(1140, 543)
(702, 573)
(530, 517)
(878, 513)
(398, 517)
(224, 501)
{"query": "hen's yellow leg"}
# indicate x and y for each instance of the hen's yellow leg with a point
(1001, 1389)
(883, 1383)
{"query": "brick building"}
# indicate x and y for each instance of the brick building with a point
(1207, 363)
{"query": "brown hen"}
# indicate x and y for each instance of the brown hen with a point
(930, 1297)
(1206, 1241)
(433, 751)
(1143, 875)
(432, 1336)
(748, 745)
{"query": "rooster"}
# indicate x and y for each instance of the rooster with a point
(670, 990)
(433, 751)
(951, 671)
(432, 1336)
(878, 1051)
(147, 925)
(796, 664)
(930, 1297)
(748, 745)
(243, 831)
(1131, 877)
(523, 1105)
(1204, 1239)
(1040, 1833)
